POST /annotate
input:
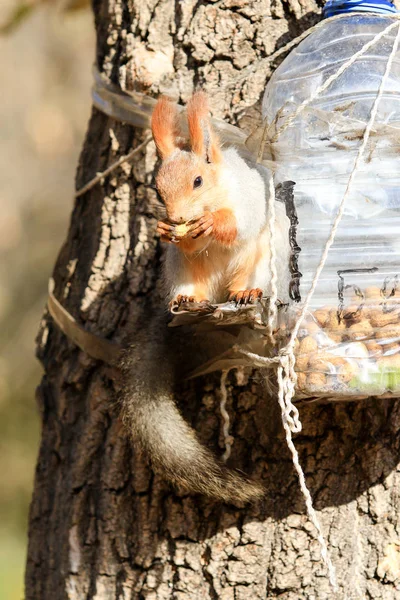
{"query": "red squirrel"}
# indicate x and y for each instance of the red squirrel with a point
(216, 214)
(218, 248)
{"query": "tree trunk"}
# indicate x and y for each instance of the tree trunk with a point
(102, 525)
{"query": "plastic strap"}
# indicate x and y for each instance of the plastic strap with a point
(136, 108)
(95, 346)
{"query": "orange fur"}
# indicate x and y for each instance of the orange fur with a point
(200, 277)
(200, 273)
(189, 245)
(175, 180)
(203, 140)
(242, 275)
(174, 183)
(224, 228)
(165, 127)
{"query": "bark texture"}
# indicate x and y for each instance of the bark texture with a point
(102, 526)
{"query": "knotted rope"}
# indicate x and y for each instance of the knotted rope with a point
(285, 361)
(118, 106)
(228, 439)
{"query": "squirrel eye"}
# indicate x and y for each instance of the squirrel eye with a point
(197, 182)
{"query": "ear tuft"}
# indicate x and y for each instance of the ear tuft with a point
(165, 127)
(203, 140)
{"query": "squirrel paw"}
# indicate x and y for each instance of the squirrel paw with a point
(202, 226)
(245, 297)
(188, 303)
(181, 300)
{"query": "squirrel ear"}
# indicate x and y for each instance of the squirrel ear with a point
(165, 127)
(203, 140)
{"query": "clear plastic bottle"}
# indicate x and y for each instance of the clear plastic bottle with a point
(354, 315)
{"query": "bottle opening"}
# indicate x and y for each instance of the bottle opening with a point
(337, 7)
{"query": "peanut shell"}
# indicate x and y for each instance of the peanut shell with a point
(301, 362)
(356, 313)
(333, 323)
(389, 362)
(321, 315)
(390, 349)
(374, 348)
(318, 365)
(325, 363)
(360, 331)
(301, 380)
(389, 332)
(347, 372)
(308, 345)
(336, 338)
(379, 318)
(316, 380)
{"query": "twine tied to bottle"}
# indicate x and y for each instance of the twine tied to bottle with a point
(136, 109)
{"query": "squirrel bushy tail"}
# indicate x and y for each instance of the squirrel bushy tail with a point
(156, 424)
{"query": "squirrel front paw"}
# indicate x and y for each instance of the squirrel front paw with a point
(203, 226)
(244, 297)
(166, 232)
(172, 234)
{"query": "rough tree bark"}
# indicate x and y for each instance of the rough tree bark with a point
(102, 526)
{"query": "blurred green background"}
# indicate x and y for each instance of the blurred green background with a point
(46, 53)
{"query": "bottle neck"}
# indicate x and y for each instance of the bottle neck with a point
(338, 7)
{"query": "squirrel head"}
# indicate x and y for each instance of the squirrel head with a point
(188, 178)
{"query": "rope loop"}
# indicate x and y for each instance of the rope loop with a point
(136, 110)
(286, 374)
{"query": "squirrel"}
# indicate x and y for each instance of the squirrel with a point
(218, 249)
(216, 209)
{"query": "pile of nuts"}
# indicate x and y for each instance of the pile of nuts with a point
(353, 352)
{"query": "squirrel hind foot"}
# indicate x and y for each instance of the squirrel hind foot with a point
(244, 297)
(182, 299)
(191, 303)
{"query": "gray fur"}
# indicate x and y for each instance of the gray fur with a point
(157, 426)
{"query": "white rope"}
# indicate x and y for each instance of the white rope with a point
(285, 361)
(307, 496)
(228, 439)
(99, 176)
(285, 372)
(272, 313)
(260, 361)
(333, 78)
